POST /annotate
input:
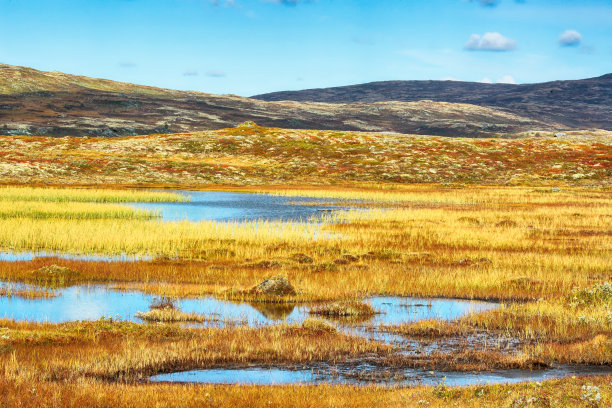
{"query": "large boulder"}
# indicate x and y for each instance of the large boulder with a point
(275, 286)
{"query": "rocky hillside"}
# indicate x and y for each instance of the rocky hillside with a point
(250, 155)
(585, 103)
(56, 104)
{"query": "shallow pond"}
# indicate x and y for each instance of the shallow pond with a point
(28, 256)
(222, 206)
(96, 301)
(367, 375)
(207, 205)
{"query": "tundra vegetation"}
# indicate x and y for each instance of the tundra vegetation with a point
(524, 221)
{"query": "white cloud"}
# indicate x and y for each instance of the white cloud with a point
(506, 79)
(190, 72)
(569, 38)
(490, 42)
(486, 80)
(449, 78)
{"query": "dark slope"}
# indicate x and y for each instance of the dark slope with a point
(33, 102)
(585, 103)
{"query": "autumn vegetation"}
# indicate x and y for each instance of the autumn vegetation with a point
(524, 221)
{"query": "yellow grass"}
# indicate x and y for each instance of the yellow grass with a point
(448, 195)
(69, 210)
(63, 195)
(154, 238)
(170, 315)
(571, 392)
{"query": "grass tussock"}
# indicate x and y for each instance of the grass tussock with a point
(428, 329)
(53, 276)
(171, 315)
(32, 293)
(318, 325)
(344, 309)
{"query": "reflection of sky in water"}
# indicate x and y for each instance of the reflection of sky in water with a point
(207, 205)
(220, 206)
(411, 377)
(96, 301)
(268, 376)
(28, 256)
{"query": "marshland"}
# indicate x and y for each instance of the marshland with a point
(305, 203)
(355, 293)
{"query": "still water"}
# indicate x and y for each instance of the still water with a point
(221, 206)
(96, 301)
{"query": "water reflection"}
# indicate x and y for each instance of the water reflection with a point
(369, 374)
(222, 206)
(91, 302)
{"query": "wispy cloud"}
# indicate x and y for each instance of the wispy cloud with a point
(488, 3)
(490, 42)
(493, 3)
(289, 2)
(215, 74)
(127, 64)
(226, 3)
(570, 38)
(190, 73)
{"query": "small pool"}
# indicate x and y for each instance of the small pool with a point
(92, 302)
(9, 256)
(222, 206)
(370, 375)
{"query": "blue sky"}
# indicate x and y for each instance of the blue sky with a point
(247, 47)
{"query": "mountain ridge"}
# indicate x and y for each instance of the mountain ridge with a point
(573, 103)
(35, 102)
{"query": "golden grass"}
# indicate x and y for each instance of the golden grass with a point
(344, 309)
(126, 351)
(499, 247)
(429, 329)
(154, 238)
(570, 392)
(79, 195)
(170, 315)
(439, 195)
(481, 242)
(70, 211)
(26, 293)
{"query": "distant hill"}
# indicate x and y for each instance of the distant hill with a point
(585, 103)
(34, 102)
